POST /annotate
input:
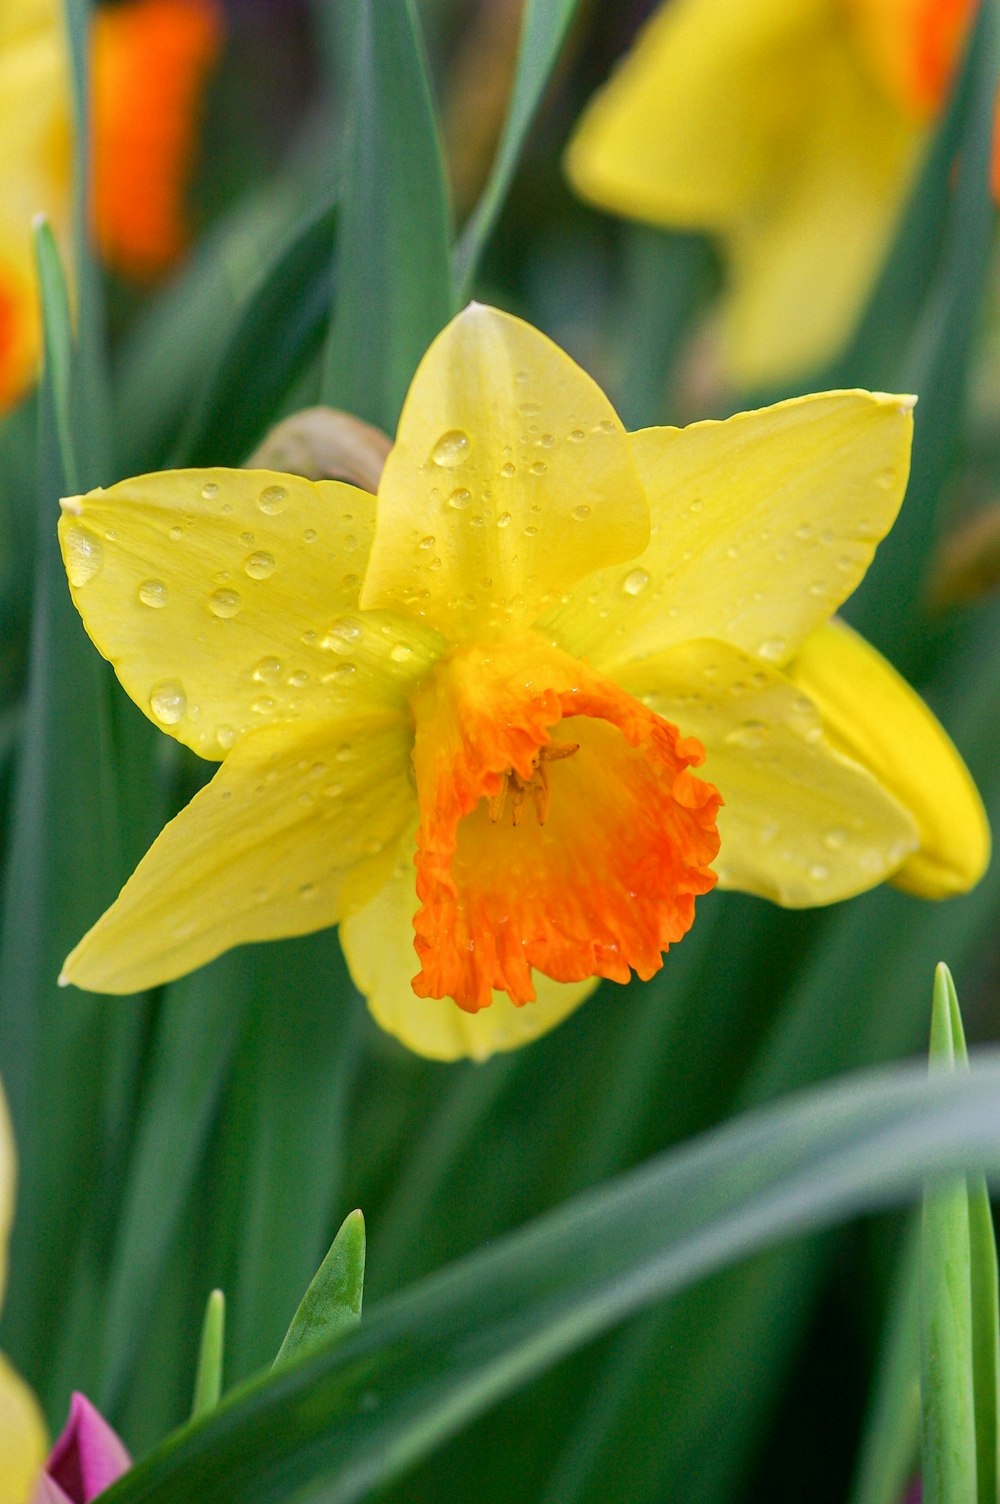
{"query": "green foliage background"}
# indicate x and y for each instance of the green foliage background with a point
(681, 1322)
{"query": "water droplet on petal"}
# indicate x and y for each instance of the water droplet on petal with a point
(401, 652)
(773, 649)
(459, 499)
(503, 520)
(272, 500)
(342, 635)
(84, 556)
(153, 593)
(427, 542)
(267, 670)
(508, 471)
(343, 673)
(209, 490)
(577, 435)
(259, 566)
(168, 702)
(538, 467)
(581, 513)
(225, 736)
(818, 872)
(176, 532)
(636, 582)
(451, 449)
(264, 705)
(224, 603)
(309, 536)
(835, 839)
(804, 531)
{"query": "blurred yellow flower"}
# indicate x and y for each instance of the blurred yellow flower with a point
(22, 1431)
(461, 718)
(149, 58)
(790, 129)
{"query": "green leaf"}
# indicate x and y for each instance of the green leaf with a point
(888, 1456)
(393, 289)
(208, 1378)
(959, 1319)
(58, 336)
(423, 1364)
(543, 31)
(331, 1307)
(277, 331)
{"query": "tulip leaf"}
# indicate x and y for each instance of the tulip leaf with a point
(208, 1377)
(393, 289)
(331, 1306)
(543, 31)
(354, 1415)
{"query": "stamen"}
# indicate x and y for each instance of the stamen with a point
(537, 785)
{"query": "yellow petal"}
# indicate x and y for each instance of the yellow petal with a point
(873, 715)
(802, 824)
(22, 1438)
(378, 944)
(299, 822)
(689, 129)
(762, 525)
(228, 599)
(803, 265)
(510, 479)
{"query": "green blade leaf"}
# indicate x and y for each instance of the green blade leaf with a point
(543, 31)
(277, 331)
(354, 1416)
(961, 1322)
(58, 336)
(331, 1307)
(208, 1378)
(394, 289)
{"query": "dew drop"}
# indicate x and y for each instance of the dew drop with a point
(272, 500)
(309, 536)
(636, 582)
(804, 531)
(531, 532)
(168, 702)
(459, 499)
(819, 872)
(247, 539)
(267, 670)
(209, 490)
(299, 679)
(225, 736)
(547, 440)
(503, 520)
(259, 566)
(343, 673)
(451, 449)
(263, 706)
(508, 471)
(577, 435)
(581, 513)
(401, 652)
(224, 603)
(427, 542)
(772, 648)
(342, 635)
(750, 734)
(538, 467)
(153, 593)
(835, 839)
(176, 532)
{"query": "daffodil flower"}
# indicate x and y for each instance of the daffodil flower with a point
(785, 128)
(462, 718)
(150, 59)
